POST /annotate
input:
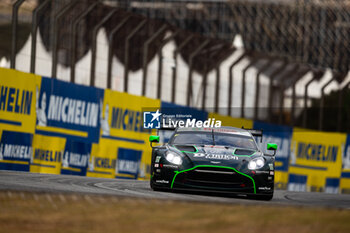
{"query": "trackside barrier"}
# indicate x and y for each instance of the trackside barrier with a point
(344, 183)
(52, 126)
(282, 136)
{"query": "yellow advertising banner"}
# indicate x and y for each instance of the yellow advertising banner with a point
(315, 157)
(230, 121)
(18, 92)
(123, 150)
(47, 154)
(281, 179)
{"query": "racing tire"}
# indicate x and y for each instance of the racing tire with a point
(265, 197)
(152, 186)
(262, 197)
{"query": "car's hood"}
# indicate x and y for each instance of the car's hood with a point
(216, 155)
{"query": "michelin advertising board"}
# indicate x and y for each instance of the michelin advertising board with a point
(17, 118)
(67, 123)
(68, 110)
(344, 182)
(316, 161)
(123, 150)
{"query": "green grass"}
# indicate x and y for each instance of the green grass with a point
(30, 212)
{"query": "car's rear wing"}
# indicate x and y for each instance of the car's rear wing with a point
(255, 132)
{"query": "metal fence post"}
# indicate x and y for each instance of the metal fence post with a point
(282, 90)
(230, 85)
(15, 8)
(257, 87)
(190, 64)
(110, 51)
(126, 55)
(36, 11)
(205, 80)
(320, 122)
(160, 63)
(217, 86)
(299, 76)
(340, 103)
(272, 78)
(218, 76)
(94, 45)
(57, 17)
(74, 28)
(176, 51)
(316, 75)
(251, 63)
(145, 56)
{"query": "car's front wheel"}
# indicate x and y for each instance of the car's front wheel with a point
(152, 186)
(262, 197)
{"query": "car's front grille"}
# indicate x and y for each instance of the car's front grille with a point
(214, 178)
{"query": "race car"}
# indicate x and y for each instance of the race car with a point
(223, 159)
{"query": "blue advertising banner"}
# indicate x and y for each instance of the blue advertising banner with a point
(76, 156)
(346, 159)
(297, 183)
(128, 163)
(282, 136)
(16, 151)
(332, 185)
(69, 110)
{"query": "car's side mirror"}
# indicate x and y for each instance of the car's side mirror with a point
(153, 138)
(273, 147)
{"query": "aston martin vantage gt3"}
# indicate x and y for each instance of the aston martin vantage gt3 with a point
(224, 159)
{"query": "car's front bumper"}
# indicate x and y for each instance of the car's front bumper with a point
(215, 179)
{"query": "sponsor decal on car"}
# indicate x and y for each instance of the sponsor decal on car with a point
(170, 166)
(262, 172)
(215, 156)
(156, 165)
(272, 173)
(157, 159)
(271, 166)
(162, 181)
(264, 188)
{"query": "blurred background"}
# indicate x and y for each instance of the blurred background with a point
(277, 61)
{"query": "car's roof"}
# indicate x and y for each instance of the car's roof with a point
(223, 129)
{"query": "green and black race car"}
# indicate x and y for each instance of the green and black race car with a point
(225, 160)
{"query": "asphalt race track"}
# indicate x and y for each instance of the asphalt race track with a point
(32, 182)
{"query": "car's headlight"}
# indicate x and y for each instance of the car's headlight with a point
(174, 158)
(256, 163)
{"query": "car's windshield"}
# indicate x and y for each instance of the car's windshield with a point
(206, 138)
